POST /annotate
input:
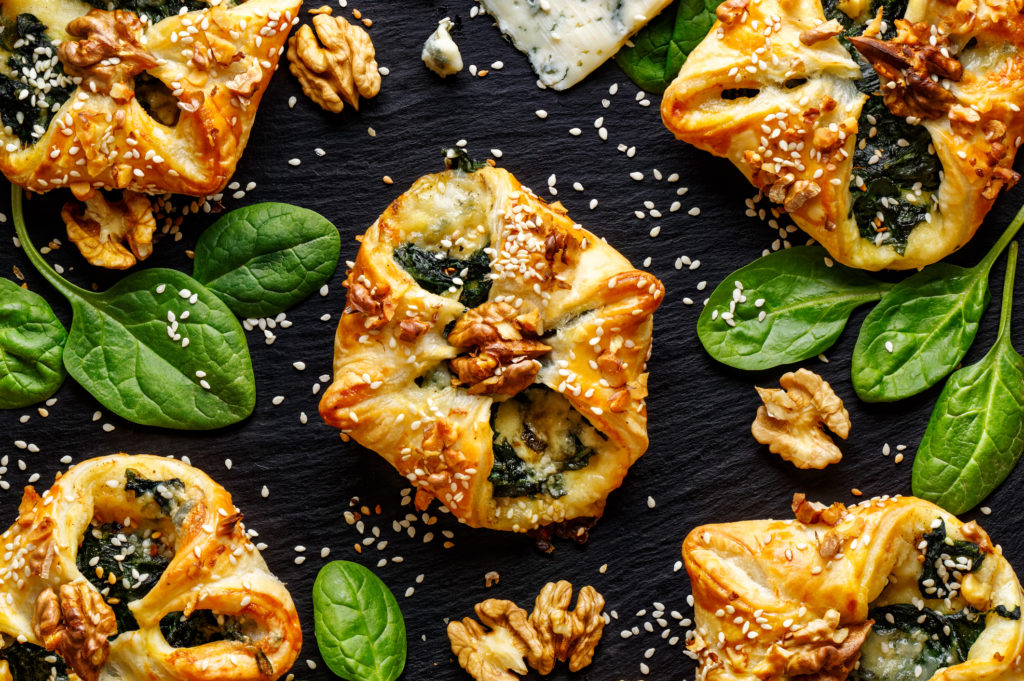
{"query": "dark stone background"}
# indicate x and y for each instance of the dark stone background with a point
(703, 465)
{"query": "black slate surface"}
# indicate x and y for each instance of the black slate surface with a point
(703, 465)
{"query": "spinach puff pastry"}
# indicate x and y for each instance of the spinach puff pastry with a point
(885, 129)
(135, 568)
(154, 102)
(494, 353)
(893, 589)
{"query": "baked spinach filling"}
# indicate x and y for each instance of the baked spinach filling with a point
(34, 85)
(895, 168)
(945, 561)
(27, 662)
(200, 628)
(154, 10)
(908, 644)
(537, 437)
(123, 566)
(441, 274)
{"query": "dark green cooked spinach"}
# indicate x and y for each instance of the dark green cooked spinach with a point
(661, 47)
(975, 435)
(164, 493)
(940, 553)
(919, 642)
(35, 86)
(438, 275)
(31, 347)
(155, 10)
(895, 169)
(200, 628)
(142, 561)
(512, 475)
(27, 662)
(460, 159)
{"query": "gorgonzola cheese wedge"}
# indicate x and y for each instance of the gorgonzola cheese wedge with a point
(567, 39)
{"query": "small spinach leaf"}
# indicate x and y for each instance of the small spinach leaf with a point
(976, 432)
(265, 258)
(158, 348)
(805, 306)
(359, 626)
(923, 327)
(660, 48)
(31, 347)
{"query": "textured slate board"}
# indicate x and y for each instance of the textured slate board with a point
(703, 465)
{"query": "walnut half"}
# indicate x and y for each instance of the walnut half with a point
(100, 226)
(790, 420)
(551, 632)
(338, 69)
(75, 622)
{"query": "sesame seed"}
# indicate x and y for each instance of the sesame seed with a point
(650, 502)
(637, 175)
(265, 492)
(542, 114)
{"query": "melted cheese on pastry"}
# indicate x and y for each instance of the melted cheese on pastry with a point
(777, 93)
(890, 585)
(574, 314)
(202, 604)
(174, 116)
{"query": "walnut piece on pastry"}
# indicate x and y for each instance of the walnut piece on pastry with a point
(895, 167)
(118, 103)
(132, 568)
(790, 420)
(907, 591)
(334, 61)
(493, 351)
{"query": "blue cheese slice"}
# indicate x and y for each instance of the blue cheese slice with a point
(567, 39)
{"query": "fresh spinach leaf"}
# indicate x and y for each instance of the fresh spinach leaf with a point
(791, 306)
(359, 626)
(923, 327)
(976, 432)
(158, 348)
(265, 258)
(26, 662)
(660, 48)
(438, 275)
(31, 347)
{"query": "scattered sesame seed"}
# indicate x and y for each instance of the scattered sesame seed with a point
(294, 162)
(541, 113)
(650, 502)
(265, 492)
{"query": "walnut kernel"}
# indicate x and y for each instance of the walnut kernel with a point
(338, 69)
(99, 228)
(790, 420)
(75, 622)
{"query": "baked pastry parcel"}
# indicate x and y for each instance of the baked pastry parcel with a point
(146, 102)
(885, 129)
(893, 589)
(494, 352)
(135, 568)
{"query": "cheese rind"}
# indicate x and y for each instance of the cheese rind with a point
(567, 39)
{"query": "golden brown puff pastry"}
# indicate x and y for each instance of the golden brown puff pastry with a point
(148, 552)
(154, 108)
(494, 353)
(898, 181)
(890, 589)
